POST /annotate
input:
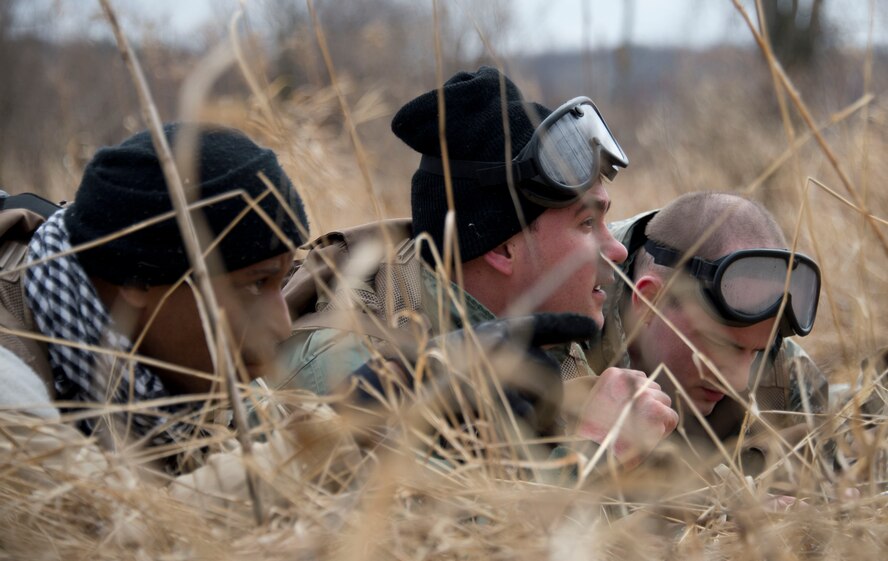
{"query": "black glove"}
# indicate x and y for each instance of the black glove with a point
(534, 393)
(537, 330)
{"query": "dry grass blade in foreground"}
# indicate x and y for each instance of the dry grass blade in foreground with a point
(428, 490)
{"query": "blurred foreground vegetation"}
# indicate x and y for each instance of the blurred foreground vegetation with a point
(689, 120)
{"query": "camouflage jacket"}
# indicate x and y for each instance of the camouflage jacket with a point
(318, 357)
(318, 360)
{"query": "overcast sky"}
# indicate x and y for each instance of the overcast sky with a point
(693, 23)
(570, 24)
(553, 24)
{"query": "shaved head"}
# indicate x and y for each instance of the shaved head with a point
(688, 325)
(736, 223)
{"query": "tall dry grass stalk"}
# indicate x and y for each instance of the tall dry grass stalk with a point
(426, 488)
(216, 329)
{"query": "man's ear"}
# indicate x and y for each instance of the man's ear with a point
(129, 305)
(134, 296)
(649, 286)
(502, 258)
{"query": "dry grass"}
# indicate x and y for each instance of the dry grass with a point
(400, 505)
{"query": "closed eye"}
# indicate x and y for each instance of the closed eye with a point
(255, 287)
(722, 343)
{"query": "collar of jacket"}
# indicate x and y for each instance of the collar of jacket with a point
(475, 311)
(611, 349)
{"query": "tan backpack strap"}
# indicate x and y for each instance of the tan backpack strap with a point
(12, 254)
(368, 306)
(343, 320)
(19, 223)
(398, 283)
(14, 337)
(782, 370)
(16, 228)
(328, 254)
(359, 323)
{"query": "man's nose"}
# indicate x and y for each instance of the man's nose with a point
(278, 318)
(613, 249)
(738, 371)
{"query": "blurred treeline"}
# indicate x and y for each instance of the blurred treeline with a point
(64, 94)
(687, 118)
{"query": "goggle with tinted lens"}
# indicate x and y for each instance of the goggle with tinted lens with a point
(567, 153)
(747, 286)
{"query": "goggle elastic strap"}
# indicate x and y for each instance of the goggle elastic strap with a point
(525, 177)
(485, 173)
(637, 239)
(711, 275)
(667, 256)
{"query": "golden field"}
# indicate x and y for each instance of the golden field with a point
(722, 120)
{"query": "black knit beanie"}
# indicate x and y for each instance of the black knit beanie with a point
(124, 185)
(485, 216)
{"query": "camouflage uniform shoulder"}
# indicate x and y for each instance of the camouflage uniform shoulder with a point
(790, 381)
(610, 348)
(805, 376)
(622, 230)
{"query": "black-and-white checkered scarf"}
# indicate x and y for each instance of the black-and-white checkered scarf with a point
(67, 307)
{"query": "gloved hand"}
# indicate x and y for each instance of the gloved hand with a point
(514, 347)
(533, 331)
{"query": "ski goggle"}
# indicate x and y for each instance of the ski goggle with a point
(747, 286)
(567, 153)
